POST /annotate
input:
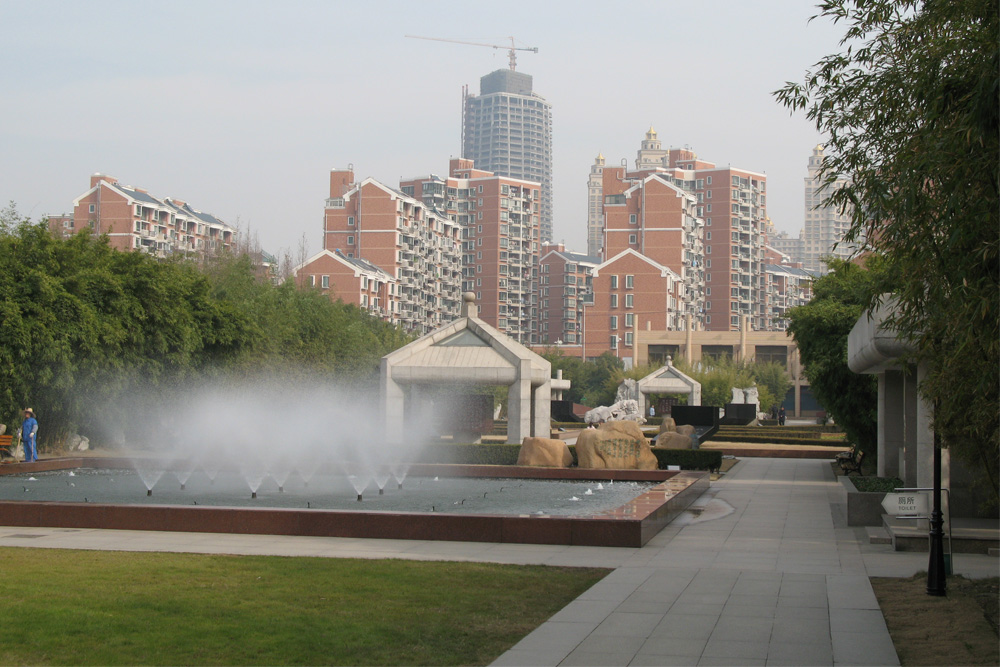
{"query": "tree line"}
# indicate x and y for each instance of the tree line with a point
(85, 326)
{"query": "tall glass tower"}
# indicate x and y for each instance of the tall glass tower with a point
(507, 129)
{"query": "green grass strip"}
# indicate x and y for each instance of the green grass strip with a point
(111, 608)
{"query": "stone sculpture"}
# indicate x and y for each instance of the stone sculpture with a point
(628, 390)
(618, 445)
(546, 452)
(738, 396)
(626, 410)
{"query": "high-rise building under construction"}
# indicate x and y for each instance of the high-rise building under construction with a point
(507, 129)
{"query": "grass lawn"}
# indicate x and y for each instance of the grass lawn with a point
(960, 629)
(94, 607)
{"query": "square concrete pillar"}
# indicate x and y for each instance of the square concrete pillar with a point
(891, 426)
(392, 406)
(910, 419)
(925, 439)
(519, 404)
(542, 412)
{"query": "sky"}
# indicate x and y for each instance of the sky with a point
(242, 108)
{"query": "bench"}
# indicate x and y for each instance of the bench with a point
(851, 461)
(6, 445)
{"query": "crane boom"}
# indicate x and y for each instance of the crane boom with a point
(511, 50)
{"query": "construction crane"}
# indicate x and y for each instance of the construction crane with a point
(511, 50)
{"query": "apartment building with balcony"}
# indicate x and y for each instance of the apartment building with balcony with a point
(507, 130)
(732, 202)
(823, 233)
(350, 279)
(418, 247)
(565, 289)
(595, 208)
(651, 215)
(632, 292)
(135, 220)
(500, 227)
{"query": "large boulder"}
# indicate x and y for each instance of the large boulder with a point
(685, 429)
(547, 452)
(617, 445)
(672, 440)
(668, 425)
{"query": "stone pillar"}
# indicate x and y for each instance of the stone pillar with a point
(891, 423)
(925, 438)
(519, 405)
(744, 326)
(910, 420)
(689, 340)
(542, 417)
(392, 406)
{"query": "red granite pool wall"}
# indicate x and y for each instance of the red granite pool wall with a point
(630, 525)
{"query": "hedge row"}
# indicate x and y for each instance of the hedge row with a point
(506, 455)
(779, 432)
(837, 445)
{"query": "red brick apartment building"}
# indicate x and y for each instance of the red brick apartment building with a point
(352, 280)
(389, 253)
(631, 292)
(730, 202)
(133, 219)
(500, 226)
(565, 286)
(433, 239)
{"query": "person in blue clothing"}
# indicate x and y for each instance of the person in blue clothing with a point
(29, 435)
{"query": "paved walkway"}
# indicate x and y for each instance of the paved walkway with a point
(763, 571)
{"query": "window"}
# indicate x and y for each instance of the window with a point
(628, 339)
(614, 322)
(480, 190)
(614, 300)
(708, 263)
(350, 240)
(350, 221)
(629, 320)
(708, 208)
(92, 208)
(708, 180)
(708, 291)
(614, 342)
(479, 282)
(479, 268)
(628, 300)
(708, 236)
(708, 250)
(633, 239)
(632, 219)
(708, 223)
(479, 254)
(326, 282)
(629, 282)
(312, 279)
(480, 229)
(709, 194)
(614, 282)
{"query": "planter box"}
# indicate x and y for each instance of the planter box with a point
(863, 508)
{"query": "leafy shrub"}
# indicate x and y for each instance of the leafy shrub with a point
(877, 484)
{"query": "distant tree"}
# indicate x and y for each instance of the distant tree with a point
(911, 106)
(820, 329)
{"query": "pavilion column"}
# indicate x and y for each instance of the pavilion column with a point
(392, 406)
(519, 404)
(542, 412)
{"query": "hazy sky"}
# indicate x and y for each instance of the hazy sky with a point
(241, 108)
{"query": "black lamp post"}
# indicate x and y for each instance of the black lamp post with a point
(936, 580)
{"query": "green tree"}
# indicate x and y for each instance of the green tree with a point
(911, 110)
(820, 329)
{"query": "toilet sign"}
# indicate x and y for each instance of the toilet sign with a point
(913, 504)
